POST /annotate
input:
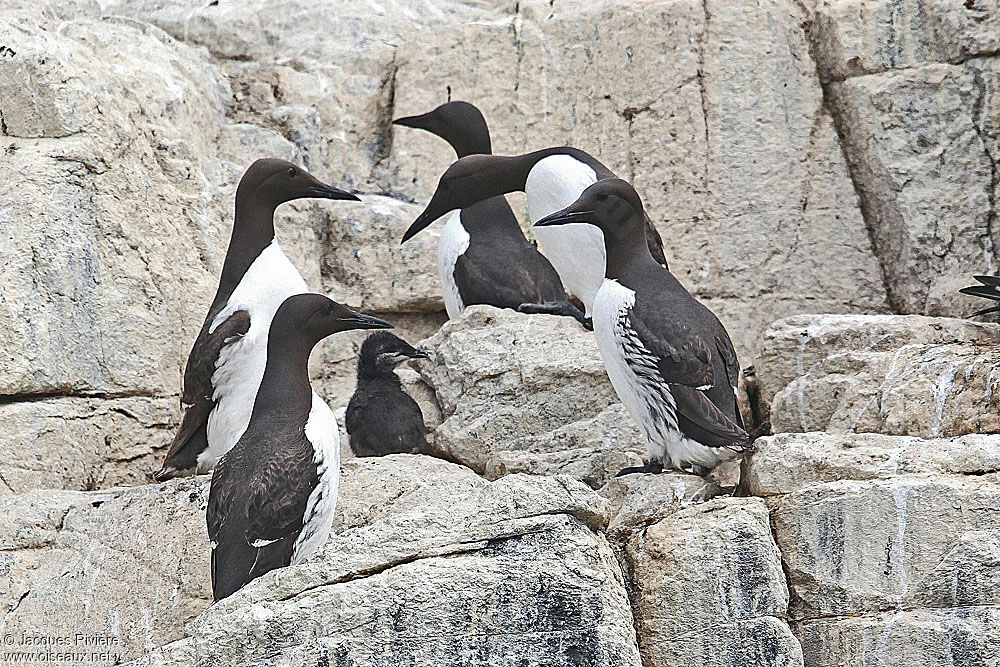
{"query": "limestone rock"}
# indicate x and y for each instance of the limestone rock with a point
(709, 589)
(963, 636)
(83, 443)
(789, 462)
(131, 564)
(901, 375)
(364, 264)
(640, 500)
(890, 543)
(854, 37)
(477, 572)
(591, 450)
(526, 393)
(923, 146)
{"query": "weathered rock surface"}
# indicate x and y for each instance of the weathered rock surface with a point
(457, 569)
(886, 540)
(638, 500)
(131, 564)
(931, 377)
(708, 588)
(82, 443)
(526, 393)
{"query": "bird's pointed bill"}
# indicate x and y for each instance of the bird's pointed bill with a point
(330, 192)
(360, 321)
(564, 217)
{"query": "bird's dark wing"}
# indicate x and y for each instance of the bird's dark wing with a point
(989, 288)
(690, 362)
(255, 511)
(191, 439)
(681, 355)
(701, 420)
(279, 492)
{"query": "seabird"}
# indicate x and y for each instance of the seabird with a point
(483, 256)
(381, 418)
(669, 358)
(273, 494)
(552, 179)
(226, 362)
(989, 288)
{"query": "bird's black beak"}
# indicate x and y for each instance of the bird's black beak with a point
(359, 321)
(330, 192)
(435, 209)
(564, 217)
(414, 353)
(421, 122)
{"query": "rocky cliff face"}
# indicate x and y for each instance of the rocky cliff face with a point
(828, 156)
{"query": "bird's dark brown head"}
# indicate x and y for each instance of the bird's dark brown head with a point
(468, 181)
(272, 182)
(459, 123)
(306, 319)
(381, 352)
(610, 204)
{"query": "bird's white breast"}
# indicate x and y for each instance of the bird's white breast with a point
(270, 280)
(322, 431)
(576, 250)
(453, 244)
(633, 372)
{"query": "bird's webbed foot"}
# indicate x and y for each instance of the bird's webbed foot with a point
(564, 308)
(654, 468)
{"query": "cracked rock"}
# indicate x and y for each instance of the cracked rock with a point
(899, 375)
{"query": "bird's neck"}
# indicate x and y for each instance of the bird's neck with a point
(369, 370)
(284, 390)
(627, 255)
(253, 231)
(471, 142)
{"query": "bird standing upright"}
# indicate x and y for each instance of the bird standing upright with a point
(483, 256)
(273, 494)
(669, 358)
(381, 418)
(226, 362)
(552, 179)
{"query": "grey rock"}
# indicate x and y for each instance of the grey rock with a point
(899, 375)
(477, 572)
(708, 588)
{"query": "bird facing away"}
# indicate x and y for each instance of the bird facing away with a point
(989, 288)
(552, 179)
(381, 418)
(669, 358)
(226, 362)
(273, 494)
(483, 256)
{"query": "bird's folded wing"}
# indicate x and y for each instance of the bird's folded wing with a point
(279, 493)
(715, 429)
(197, 395)
(680, 355)
(205, 354)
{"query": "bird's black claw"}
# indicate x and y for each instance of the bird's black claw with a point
(654, 468)
(564, 308)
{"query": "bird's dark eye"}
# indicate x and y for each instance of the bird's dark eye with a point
(602, 197)
(291, 171)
